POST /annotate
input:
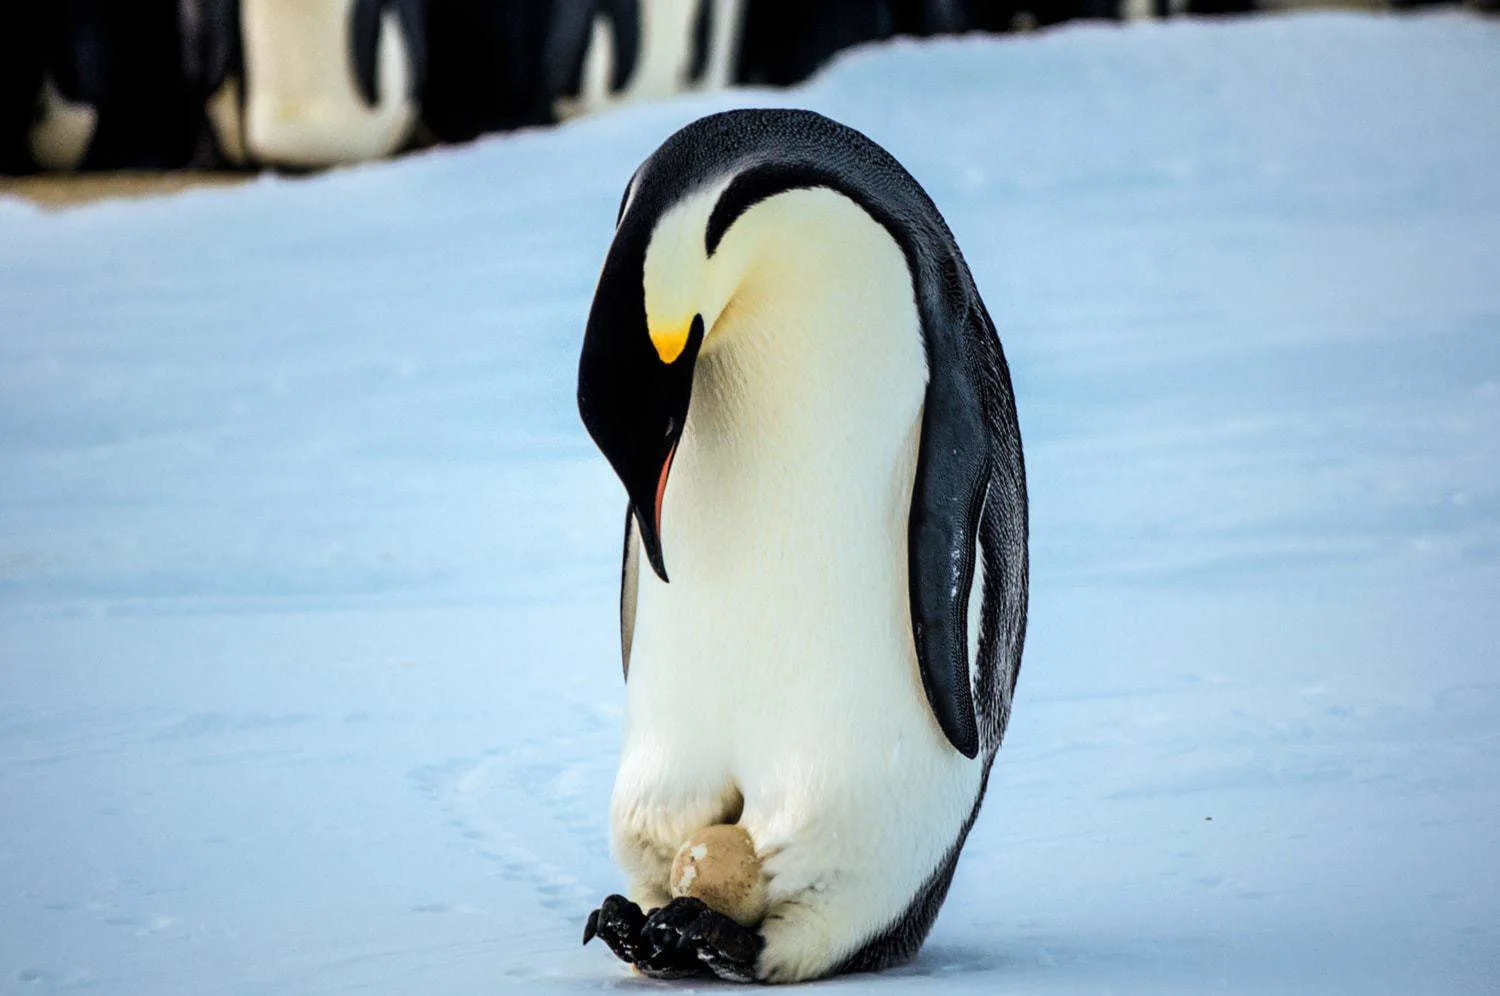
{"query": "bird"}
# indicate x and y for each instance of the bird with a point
(788, 365)
(309, 84)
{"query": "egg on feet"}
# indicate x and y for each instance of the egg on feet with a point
(718, 865)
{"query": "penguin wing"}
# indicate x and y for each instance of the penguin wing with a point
(630, 573)
(570, 23)
(702, 40)
(366, 24)
(947, 505)
(413, 17)
(364, 49)
(625, 18)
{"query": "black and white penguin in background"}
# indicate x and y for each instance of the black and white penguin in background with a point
(593, 48)
(646, 50)
(789, 366)
(310, 83)
(495, 65)
(91, 84)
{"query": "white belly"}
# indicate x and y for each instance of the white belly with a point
(779, 662)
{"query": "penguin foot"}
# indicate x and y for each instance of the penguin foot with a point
(686, 931)
(680, 939)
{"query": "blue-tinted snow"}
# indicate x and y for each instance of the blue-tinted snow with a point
(308, 678)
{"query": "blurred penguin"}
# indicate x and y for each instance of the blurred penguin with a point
(1018, 15)
(786, 41)
(643, 50)
(22, 71)
(927, 18)
(494, 65)
(310, 83)
(91, 84)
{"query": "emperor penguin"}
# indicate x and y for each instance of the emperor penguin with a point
(639, 50)
(788, 365)
(102, 85)
(311, 83)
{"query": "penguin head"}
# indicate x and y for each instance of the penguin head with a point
(663, 288)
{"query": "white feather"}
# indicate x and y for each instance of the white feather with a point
(777, 672)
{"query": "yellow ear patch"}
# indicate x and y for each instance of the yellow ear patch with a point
(671, 341)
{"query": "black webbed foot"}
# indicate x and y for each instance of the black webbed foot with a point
(687, 932)
(681, 939)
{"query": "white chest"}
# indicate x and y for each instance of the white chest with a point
(785, 517)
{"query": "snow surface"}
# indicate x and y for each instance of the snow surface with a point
(308, 668)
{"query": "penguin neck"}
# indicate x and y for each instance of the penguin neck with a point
(807, 399)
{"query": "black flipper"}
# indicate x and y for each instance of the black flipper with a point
(953, 471)
(413, 17)
(364, 48)
(703, 38)
(364, 44)
(625, 22)
(568, 32)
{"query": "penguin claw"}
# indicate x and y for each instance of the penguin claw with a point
(591, 927)
(617, 922)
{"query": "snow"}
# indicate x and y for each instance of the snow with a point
(308, 667)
